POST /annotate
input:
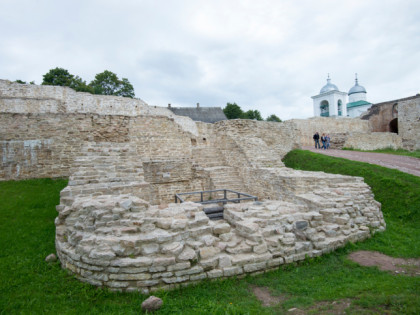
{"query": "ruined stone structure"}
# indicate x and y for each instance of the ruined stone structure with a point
(199, 113)
(117, 226)
(400, 116)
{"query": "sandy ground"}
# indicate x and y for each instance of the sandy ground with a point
(405, 164)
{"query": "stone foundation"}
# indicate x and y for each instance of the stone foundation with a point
(123, 243)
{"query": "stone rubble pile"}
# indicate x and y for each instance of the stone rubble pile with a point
(124, 243)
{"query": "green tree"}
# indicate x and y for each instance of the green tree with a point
(273, 118)
(126, 89)
(63, 77)
(107, 83)
(252, 114)
(80, 86)
(58, 76)
(233, 111)
(20, 82)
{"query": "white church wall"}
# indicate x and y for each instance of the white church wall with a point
(357, 111)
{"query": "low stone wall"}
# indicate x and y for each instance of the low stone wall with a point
(327, 125)
(373, 141)
(125, 244)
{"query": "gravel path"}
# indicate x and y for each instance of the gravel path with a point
(405, 164)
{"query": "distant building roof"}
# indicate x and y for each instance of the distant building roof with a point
(328, 87)
(357, 88)
(358, 103)
(204, 114)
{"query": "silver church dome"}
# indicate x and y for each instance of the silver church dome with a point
(328, 87)
(357, 88)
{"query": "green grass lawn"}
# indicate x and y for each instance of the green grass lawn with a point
(28, 285)
(415, 154)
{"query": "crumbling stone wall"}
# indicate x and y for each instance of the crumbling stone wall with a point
(409, 122)
(328, 125)
(399, 116)
(46, 144)
(127, 245)
(373, 141)
(380, 115)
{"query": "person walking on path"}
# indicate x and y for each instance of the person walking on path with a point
(327, 138)
(323, 140)
(316, 139)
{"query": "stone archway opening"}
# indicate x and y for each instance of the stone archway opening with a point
(393, 125)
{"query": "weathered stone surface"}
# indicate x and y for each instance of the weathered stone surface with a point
(151, 304)
(187, 254)
(301, 225)
(126, 160)
(51, 258)
(207, 252)
(173, 248)
(221, 228)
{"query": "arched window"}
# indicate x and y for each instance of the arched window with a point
(340, 108)
(325, 109)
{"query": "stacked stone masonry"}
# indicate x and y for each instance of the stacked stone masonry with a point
(123, 243)
(117, 226)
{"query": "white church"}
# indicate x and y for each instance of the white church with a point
(331, 102)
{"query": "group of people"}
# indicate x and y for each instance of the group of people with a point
(325, 139)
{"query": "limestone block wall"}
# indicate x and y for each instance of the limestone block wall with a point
(330, 125)
(373, 141)
(36, 99)
(409, 123)
(262, 144)
(27, 98)
(46, 144)
(127, 245)
(380, 115)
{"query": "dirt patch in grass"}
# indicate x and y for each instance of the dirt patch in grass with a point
(323, 307)
(410, 267)
(263, 294)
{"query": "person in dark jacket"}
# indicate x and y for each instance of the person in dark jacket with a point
(316, 139)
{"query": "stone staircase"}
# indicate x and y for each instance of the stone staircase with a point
(106, 169)
(207, 156)
(221, 175)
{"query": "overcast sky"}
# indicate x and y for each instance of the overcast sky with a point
(270, 55)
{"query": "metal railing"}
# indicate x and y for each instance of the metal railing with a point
(223, 200)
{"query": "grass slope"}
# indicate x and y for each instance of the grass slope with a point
(28, 285)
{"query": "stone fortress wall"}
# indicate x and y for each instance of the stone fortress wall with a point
(409, 122)
(116, 225)
(349, 133)
(400, 116)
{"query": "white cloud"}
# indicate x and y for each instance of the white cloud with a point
(268, 55)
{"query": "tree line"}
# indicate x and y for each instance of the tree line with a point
(105, 83)
(234, 111)
(108, 83)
